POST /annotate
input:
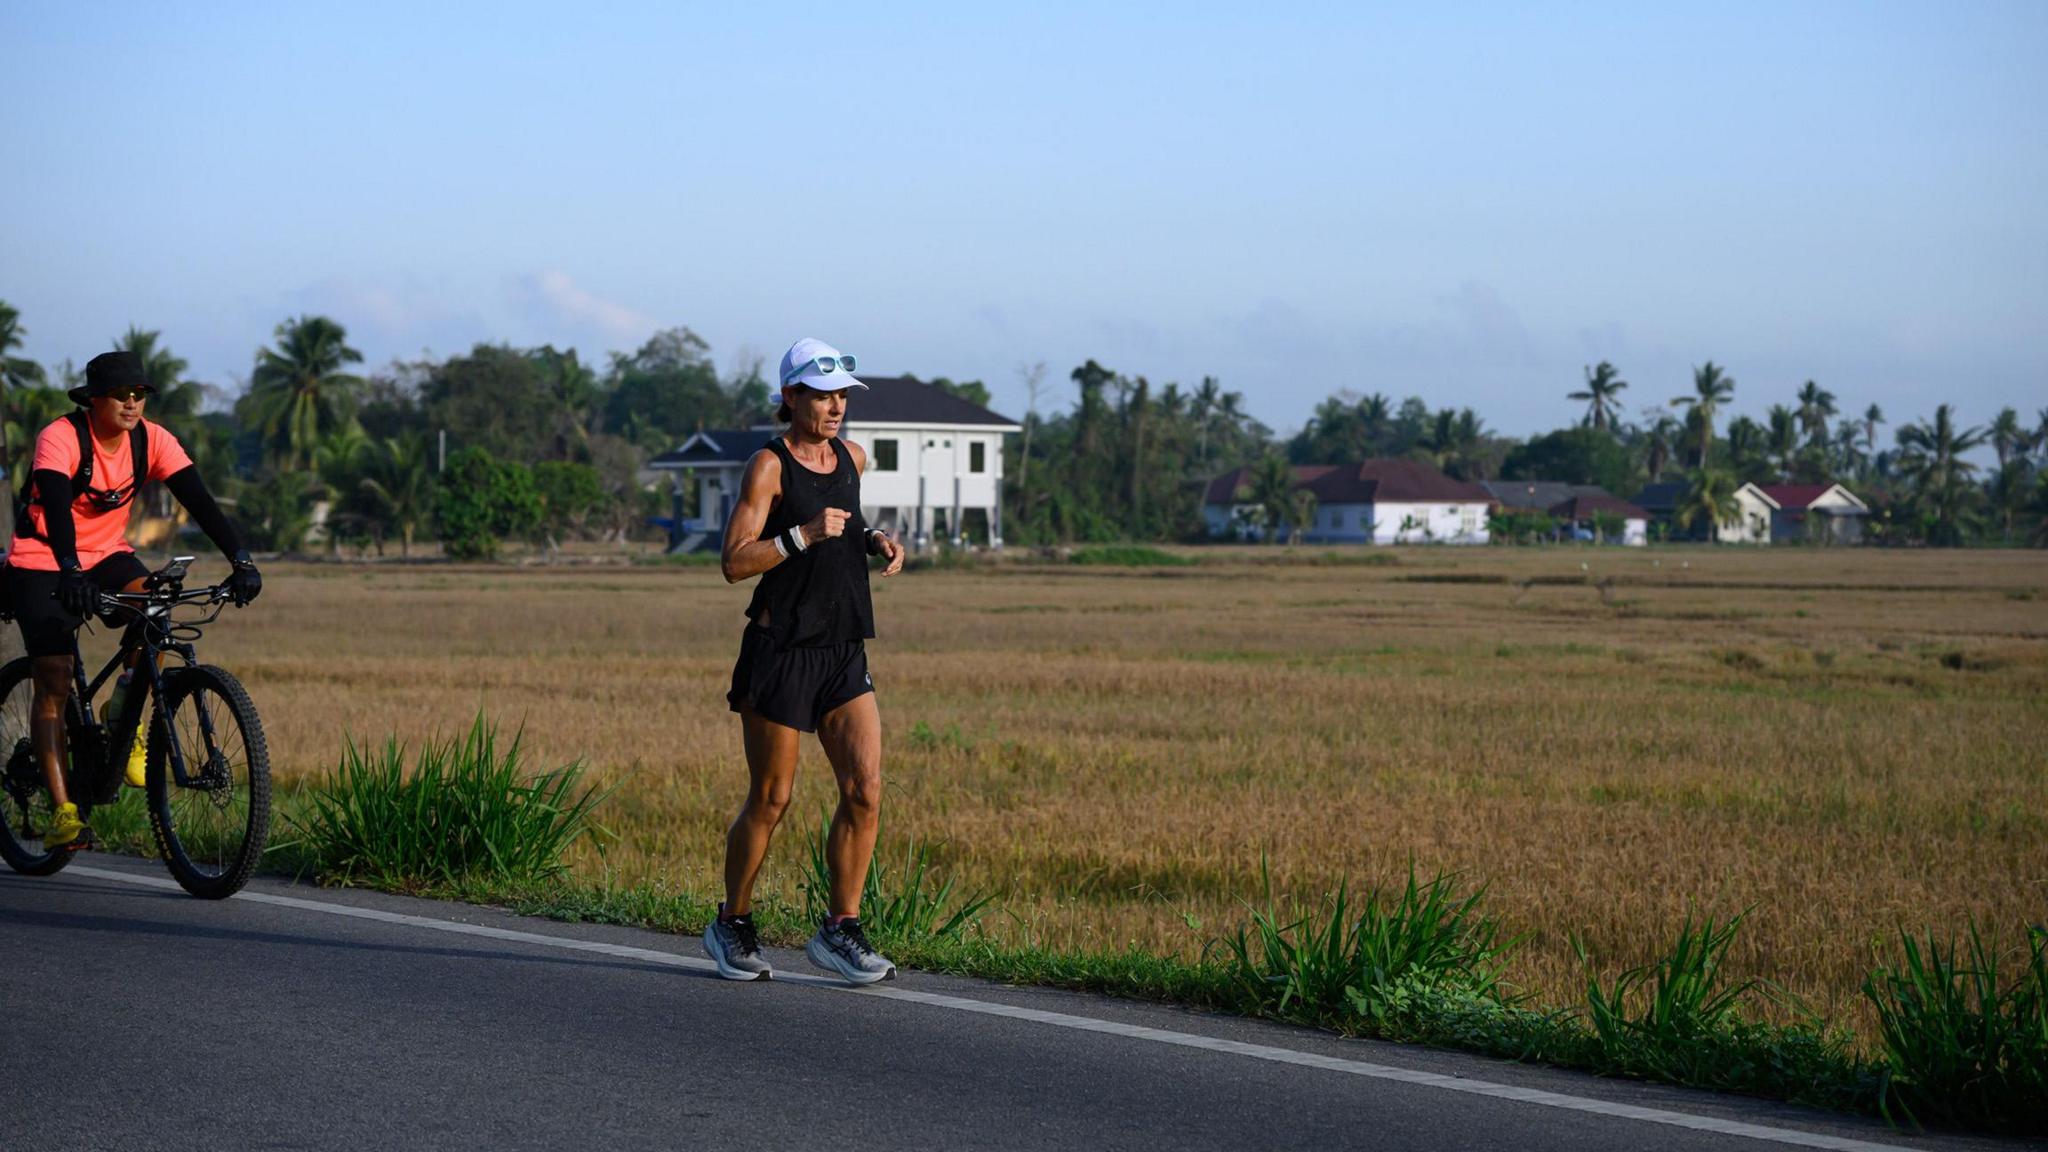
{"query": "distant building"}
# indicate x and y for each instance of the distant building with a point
(1377, 502)
(1751, 525)
(1821, 513)
(935, 466)
(1578, 508)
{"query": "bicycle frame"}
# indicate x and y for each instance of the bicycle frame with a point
(151, 634)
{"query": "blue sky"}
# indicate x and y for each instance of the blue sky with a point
(1467, 202)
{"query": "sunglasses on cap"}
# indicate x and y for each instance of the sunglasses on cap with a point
(824, 364)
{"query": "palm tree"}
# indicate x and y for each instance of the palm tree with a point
(1602, 395)
(2007, 437)
(298, 393)
(1457, 444)
(1931, 460)
(2010, 489)
(1662, 442)
(1710, 495)
(1872, 417)
(15, 371)
(1712, 388)
(398, 480)
(1782, 441)
(29, 411)
(18, 374)
(1271, 488)
(177, 400)
(1816, 408)
(1376, 413)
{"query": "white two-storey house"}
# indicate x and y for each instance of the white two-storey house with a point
(935, 466)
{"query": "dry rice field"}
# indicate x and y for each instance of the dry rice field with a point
(1849, 741)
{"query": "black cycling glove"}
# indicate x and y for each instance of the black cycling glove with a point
(75, 593)
(246, 583)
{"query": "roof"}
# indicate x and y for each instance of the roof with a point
(1585, 505)
(1662, 498)
(1373, 482)
(1802, 496)
(904, 400)
(712, 446)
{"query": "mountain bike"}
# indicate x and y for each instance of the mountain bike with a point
(208, 767)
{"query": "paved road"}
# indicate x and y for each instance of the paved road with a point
(293, 1017)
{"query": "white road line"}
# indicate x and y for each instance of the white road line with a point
(1789, 1136)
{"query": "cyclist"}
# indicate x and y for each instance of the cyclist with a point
(70, 545)
(803, 663)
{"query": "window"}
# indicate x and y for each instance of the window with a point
(885, 454)
(977, 457)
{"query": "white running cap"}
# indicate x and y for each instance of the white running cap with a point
(800, 366)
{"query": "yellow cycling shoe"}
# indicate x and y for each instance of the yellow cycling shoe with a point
(66, 830)
(138, 762)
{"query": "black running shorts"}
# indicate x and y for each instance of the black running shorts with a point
(46, 628)
(796, 687)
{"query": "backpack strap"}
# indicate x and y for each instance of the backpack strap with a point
(81, 423)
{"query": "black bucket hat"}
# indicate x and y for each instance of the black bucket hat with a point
(110, 372)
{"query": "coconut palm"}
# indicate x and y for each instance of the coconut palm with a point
(1661, 442)
(1872, 417)
(1270, 487)
(29, 411)
(398, 480)
(15, 371)
(1782, 440)
(299, 394)
(2008, 439)
(1712, 388)
(1710, 496)
(1931, 459)
(1602, 395)
(2010, 490)
(1816, 408)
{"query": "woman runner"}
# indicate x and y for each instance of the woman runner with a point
(803, 663)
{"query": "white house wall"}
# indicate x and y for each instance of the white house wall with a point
(942, 457)
(1429, 523)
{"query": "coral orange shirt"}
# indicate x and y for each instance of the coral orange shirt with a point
(100, 534)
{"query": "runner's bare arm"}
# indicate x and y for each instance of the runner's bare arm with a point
(746, 554)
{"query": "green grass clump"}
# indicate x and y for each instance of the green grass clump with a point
(1127, 556)
(897, 903)
(1676, 1019)
(1383, 963)
(1965, 1046)
(460, 811)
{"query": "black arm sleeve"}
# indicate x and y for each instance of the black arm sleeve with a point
(191, 492)
(53, 492)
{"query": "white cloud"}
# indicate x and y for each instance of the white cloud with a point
(554, 300)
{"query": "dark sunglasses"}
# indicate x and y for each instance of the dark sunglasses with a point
(124, 395)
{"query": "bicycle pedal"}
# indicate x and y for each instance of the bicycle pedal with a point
(84, 843)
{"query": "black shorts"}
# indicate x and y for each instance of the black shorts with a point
(46, 628)
(796, 687)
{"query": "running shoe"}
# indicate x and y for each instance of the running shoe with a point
(844, 948)
(734, 946)
(66, 831)
(138, 762)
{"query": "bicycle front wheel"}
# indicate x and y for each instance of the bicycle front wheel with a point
(25, 809)
(213, 826)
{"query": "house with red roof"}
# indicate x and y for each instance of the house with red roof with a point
(1387, 501)
(1820, 513)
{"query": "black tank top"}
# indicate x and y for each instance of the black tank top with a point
(820, 595)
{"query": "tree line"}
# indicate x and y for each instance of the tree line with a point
(504, 443)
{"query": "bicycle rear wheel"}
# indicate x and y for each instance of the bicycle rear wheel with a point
(25, 808)
(212, 830)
